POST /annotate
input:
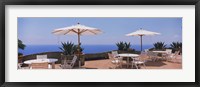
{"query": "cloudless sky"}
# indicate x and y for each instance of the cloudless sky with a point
(38, 31)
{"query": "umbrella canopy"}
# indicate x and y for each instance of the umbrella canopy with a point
(141, 32)
(77, 29)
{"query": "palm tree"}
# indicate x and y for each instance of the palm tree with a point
(21, 46)
(68, 48)
(120, 45)
(159, 45)
(124, 47)
(176, 46)
(127, 46)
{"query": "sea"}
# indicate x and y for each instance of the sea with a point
(32, 49)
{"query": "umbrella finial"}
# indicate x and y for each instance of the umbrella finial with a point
(78, 23)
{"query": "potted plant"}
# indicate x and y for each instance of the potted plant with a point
(68, 51)
(80, 49)
(67, 48)
(80, 54)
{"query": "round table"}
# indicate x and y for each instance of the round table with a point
(128, 55)
(49, 60)
(160, 52)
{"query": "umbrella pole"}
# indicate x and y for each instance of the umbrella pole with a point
(79, 47)
(141, 42)
(78, 43)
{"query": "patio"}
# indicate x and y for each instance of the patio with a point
(107, 64)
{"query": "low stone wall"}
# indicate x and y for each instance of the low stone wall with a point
(57, 55)
(96, 56)
(84, 57)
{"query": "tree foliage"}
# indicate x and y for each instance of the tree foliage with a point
(159, 46)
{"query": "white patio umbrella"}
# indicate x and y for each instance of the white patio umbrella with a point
(77, 29)
(141, 32)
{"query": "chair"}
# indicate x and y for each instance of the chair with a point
(115, 54)
(19, 66)
(44, 65)
(168, 52)
(41, 56)
(139, 61)
(153, 56)
(144, 56)
(146, 50)
(173, 57)
(115, 61)
(67, 64)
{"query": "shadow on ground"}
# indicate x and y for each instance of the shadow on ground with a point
(156, 63)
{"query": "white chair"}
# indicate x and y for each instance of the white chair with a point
(146, 50)
(19, 66)
(69, 64)
(137, 62)
(116, 61)
(115, 54)
(144, 56)
(169, 51)
(173, 57)
(153, 56)
(41, 56)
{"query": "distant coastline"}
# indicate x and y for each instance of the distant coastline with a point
(32, 49)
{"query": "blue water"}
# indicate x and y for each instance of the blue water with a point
(32, 49)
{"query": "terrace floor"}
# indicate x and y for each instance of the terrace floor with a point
(107, 64)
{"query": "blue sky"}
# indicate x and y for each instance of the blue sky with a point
(37, 31)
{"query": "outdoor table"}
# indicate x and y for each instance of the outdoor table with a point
(49, 60)
(162, 52)
(128, 55)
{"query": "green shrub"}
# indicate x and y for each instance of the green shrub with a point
(159, 46)
(120, 45)
(69, 48)
(176, 46)
(76, 49)
(127, 46)
(124, 46)
(21, 46)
